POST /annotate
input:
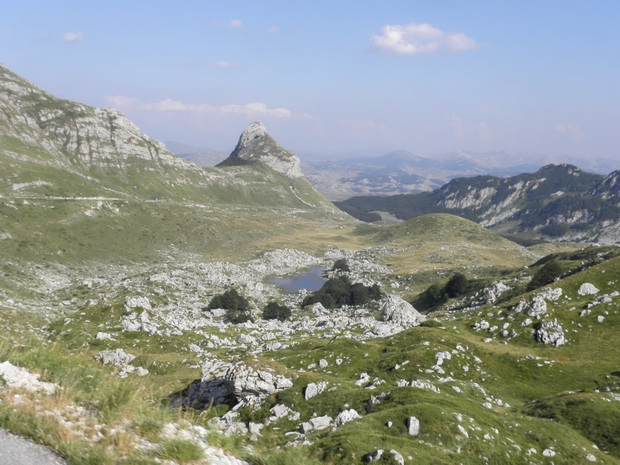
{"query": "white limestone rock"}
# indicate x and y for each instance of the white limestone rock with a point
(255, 145)
(345, 417)
(398, 311)
(550, 332)
(588, 289)
(16, 377)
(117, 357)
(134, 302)
(248, 383)
(413, 426)
(314, 389)
(316, 424)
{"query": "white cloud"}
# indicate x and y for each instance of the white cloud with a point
(236, 24)
(413, 39)
(569, 131)
(72, 37)
(480, 131)
(274, 30)
(250, 110)
(224, 65)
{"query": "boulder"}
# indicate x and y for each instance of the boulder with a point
(345, 417)
(398, 457)
(250, 384)
(117, 357)
(316, 424)
(373, 456)
(314, 389)
(398, 311)
(588, 289)
(413, 426)
(492, 293)
(550, 332)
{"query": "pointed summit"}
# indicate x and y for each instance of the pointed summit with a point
(256, 146)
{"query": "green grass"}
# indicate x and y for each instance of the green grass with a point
(181, 450)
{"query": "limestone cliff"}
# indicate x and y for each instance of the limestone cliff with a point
(256, 146)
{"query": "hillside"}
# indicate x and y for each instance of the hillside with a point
(560, 202)
(141, 322)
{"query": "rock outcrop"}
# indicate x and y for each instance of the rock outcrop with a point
(250, 385)
(550, 332)
(256, 146)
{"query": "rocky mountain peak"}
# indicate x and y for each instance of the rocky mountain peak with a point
(257, 146)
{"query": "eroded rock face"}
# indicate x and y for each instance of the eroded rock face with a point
(400, 312)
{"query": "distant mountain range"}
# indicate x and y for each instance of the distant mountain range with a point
(404, 172)
(561, 202)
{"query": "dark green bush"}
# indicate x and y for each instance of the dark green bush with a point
(237, 307)
(546, 275)
(457, 285)
(339, 291)
(276, 311)
(341, 265)
(229, 300)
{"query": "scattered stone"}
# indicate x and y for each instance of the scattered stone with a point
(548, 453)
(463, 431)
(363, 379)
(134, 302)
(104, 337)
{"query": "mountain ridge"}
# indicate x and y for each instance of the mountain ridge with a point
(557, 202)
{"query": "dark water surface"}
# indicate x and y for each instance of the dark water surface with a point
(310, 280)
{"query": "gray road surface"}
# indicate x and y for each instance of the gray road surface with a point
(17, 451)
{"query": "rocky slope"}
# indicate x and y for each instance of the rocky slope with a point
(558, 201)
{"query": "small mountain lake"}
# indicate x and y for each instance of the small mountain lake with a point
(311, 280)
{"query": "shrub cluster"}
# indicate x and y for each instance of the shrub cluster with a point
(237, 307)
(341, 265)
(545, 275)
(436, 294)
(339, 291)
(276, 311)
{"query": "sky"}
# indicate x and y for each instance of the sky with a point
(335, 77)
